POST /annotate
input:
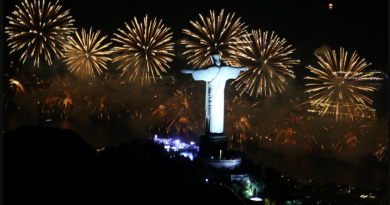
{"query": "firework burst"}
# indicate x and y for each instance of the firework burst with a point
(219, 35)
(102, 99)
(267, 62)
(87, 54)
(17, 83)
(146, 49)
(336, 85)
(39, 27)
(290, 129)
(238, 118)
(16, 86)
(382, 152)
(181, 112)
(60, 98)
(352, 130)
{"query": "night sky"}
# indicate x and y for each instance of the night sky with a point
(306, 25)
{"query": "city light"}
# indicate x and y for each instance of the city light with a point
(192, 143)
(256, 199)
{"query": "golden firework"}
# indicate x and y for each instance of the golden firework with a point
(87, 54)
(102, 99)
(39, 27)
(60, 98)
(352, 131)
(146, 49)
(267, 62)
(19, 83)
(291, 129)
(16, 86)
(181, 111)
(382, 152)
(216, 35)
(238, 118)
(336, 86)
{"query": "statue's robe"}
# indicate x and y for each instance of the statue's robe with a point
(216, 78)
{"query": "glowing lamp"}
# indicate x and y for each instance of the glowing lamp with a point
(192, 143)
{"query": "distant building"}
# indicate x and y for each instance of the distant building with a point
(159, 80)
(239, 177)
(357, 110)
(371, 75)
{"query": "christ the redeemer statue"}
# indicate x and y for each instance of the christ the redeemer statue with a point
(215, 76)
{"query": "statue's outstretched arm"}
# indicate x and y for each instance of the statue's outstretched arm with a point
(243, 68)
(186, 71)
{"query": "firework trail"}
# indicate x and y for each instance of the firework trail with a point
(17, 83)
(39, 28)
(60, 98)
(102, 99)
(335, 86)
(382, 152)
(146, 49)
(290, 128)
(352, 132)
(239, 122)
(86, 53)
(215, 35)
(267, 62)
(180, 112)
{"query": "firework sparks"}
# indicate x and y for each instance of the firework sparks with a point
(290, 129)
(238, 117)
(102, 99)
(60, 98)
(338, 86)
(181, 111)
(352, 130)
(219, 35)
(267, 62)
(39, 27)
(146, 49)
(87, 54)
(16, 85)
(382, 152)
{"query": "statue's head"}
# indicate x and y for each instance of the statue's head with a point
(215, 60)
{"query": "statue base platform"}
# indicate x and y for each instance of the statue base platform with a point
(211, 145)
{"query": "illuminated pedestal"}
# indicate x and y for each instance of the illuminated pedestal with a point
(214, 153)
(219, 164)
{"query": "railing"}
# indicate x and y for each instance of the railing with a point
(222, 160)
